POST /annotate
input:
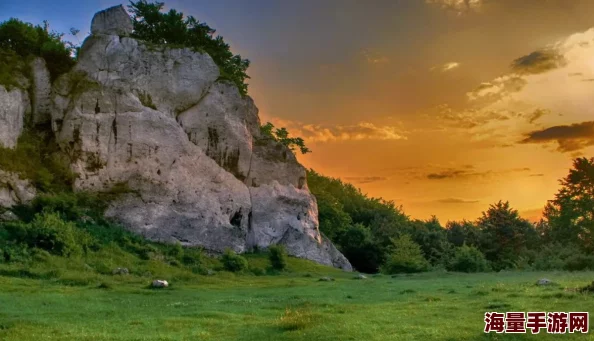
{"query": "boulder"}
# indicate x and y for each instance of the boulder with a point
(544, 281)
(114, 20)
(120, 271)
(159, 283)
(7, 216)
(14, 190)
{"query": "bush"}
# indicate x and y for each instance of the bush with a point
(49, 232)
(406, 257)
(579, 262)
(233, 262)
(468, 259)
(278, 257)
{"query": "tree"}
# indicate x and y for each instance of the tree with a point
(26, 40)
(462, 232)
(505, 235)
(432, 238)
(570, 214)
(282, 135)
(406, 257)
(173, 28)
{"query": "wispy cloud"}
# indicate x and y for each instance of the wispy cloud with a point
(458, 6)
(456, 201)
(365, 179)
(374, 57)
(464, 173)
(334, 133)
(446, 67)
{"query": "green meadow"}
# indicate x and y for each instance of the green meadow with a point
(76, 303)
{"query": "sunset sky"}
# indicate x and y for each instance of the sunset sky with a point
(444, 106)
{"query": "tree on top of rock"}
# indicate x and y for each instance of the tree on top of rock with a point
(173, 28)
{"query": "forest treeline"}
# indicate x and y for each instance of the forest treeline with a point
(376, 235)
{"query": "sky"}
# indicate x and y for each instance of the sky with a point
(443, 106)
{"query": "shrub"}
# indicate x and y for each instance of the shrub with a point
(468, 259)
(233, 262)
(49, 232)
(579, 262)
(278, 257)
(406, 257)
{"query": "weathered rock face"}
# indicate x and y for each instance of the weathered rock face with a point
(14, 190)
(41, 101)
(188, 146)
(113, 20)
(14, 106)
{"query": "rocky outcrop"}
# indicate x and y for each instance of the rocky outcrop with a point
(188, 146)
(14, 190)
(42, 87)
(14, 106)
(113, 20)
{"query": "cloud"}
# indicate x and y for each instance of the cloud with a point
(470, 118)
(497, 89)
(335, 133)
(538, 113)
(536, 175)
(538, 62)
(465, 172)
(458, 6)
(456, 201)
(365, 179)
(373, 57)
(570, 138)
(446, 67)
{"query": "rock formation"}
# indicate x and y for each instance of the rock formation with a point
(186, 143)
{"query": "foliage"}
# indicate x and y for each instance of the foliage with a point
(38, 158)
(406, 257)
(505, 235)
(468, 259)
(11, 65)
(282, 135)
(26, 40)
(278, 257)
(570, 215)
(48, 231)
(173, 28)
(233, 262)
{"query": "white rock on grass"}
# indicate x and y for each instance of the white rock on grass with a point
(159, 283)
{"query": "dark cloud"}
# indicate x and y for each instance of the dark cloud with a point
(536, 175)
(468, 172)
(366, 179)
(538, 113)
(538, 62)
(448, 174)
(456, 201)
(570, 138)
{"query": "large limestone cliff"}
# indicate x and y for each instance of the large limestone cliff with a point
(187, 144)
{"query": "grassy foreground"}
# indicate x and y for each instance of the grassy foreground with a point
(38, 304)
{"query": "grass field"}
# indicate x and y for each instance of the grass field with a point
(36, 305)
